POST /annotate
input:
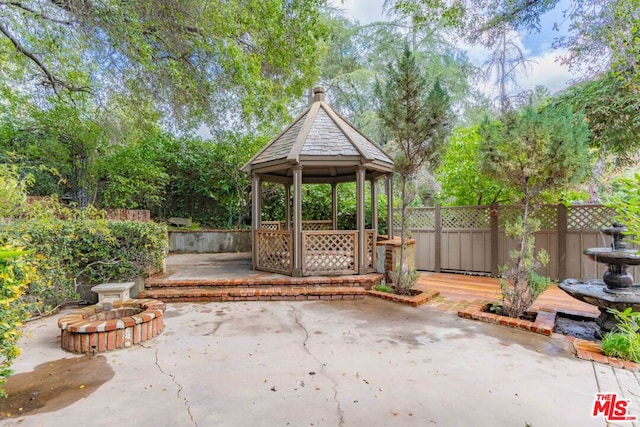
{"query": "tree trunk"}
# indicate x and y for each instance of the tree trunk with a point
(403, 227)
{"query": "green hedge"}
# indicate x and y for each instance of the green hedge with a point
(83, 249)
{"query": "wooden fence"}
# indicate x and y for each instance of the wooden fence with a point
(472, 238)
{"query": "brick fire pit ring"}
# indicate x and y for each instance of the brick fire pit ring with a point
(109, 326)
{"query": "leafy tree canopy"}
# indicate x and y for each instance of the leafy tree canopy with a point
(462, 182)
(612, 113)
(214, 60)
(536, 151)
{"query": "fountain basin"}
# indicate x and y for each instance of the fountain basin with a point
(595, 292)
(614, 256)
(109, 326)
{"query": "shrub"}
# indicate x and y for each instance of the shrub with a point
(627, 203)
(383, 287)
(15, 273)
(82, 248)
(624, 341)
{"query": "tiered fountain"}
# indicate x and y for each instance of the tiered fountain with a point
(616, 289)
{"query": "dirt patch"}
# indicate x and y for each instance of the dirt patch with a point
(577, 326)
(53, 385)
(529, 316)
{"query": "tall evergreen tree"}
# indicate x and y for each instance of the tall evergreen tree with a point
(416, 113)
(533, 151)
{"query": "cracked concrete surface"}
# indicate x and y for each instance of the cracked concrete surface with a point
(179, 392)
(351, 363)
(321, 364)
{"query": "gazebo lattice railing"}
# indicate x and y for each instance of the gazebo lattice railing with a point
(274, 249)
(324, 252)
(322, 224)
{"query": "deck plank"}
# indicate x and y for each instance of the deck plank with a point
(459, 287)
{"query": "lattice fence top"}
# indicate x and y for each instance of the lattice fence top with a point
(472, 217)
(589, 217)
(547, 215)
(419, 218)
(579, 217)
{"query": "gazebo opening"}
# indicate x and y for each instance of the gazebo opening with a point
(319, 147)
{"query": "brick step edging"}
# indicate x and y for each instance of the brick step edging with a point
(162, 293)
(366, 281)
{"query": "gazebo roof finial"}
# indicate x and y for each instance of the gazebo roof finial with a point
(318, 94)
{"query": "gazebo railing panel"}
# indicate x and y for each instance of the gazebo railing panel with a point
(370, 249)
(319, 224)
(274, 249)
(272, 225)
(329, 253)
(307, 225)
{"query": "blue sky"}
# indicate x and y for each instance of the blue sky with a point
(545, 69)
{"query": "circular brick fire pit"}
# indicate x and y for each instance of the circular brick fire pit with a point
(109, 326)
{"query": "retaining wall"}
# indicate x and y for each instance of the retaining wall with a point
(210, 241)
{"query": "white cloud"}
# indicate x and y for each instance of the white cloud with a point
(549, 72)
(365, 11)
(544, 70)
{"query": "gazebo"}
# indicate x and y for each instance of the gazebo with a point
(319, 147)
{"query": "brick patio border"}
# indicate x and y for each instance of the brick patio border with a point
(413, 301)
(543, 324)
(591, 351)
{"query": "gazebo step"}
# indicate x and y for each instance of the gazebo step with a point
(366, 281)
(286, 293)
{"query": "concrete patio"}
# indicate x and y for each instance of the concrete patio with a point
(360, 362)
(352, 363)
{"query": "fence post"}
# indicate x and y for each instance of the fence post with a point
(494, 240)
(438, 239)
(562, 241)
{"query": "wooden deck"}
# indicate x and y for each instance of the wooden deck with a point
(458, 288)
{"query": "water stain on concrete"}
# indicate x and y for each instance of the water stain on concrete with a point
(172, 313)
(53, 385)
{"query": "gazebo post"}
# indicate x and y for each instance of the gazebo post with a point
(297, 221)
(334, 205)
(389, 190)
(287, 206)
(374, 205)
(360, 178)
(256, 213)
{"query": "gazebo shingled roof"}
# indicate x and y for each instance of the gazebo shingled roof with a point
(327, 145)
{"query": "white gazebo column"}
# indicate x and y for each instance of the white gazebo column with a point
(334, 205)
(297, 221)
(389, 191)
(256, 213)
(360, 178)
(287, 206)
